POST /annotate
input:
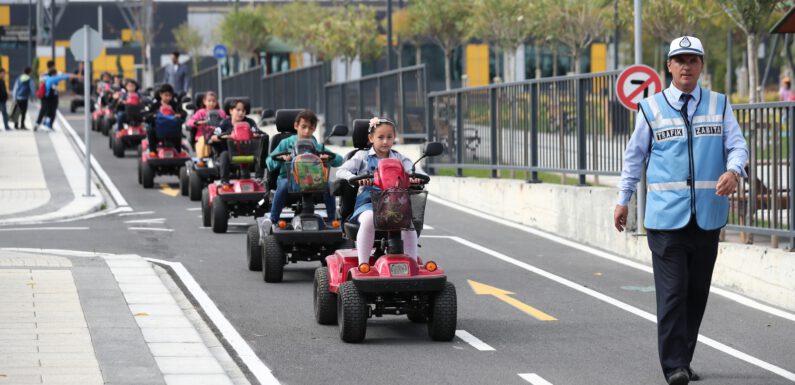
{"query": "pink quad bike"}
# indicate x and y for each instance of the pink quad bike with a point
(348, 294)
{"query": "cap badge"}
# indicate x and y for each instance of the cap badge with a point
(684, 43)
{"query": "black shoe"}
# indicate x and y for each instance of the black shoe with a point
(678, 377)
(693, 375)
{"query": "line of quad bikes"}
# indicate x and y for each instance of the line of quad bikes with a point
(345, 293)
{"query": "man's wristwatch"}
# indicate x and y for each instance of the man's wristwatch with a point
(736, 175)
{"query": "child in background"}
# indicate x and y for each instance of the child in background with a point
(199, 123)
(238, 109)
(165, 97)
(382, 137)
(130, 96)
(305, 125)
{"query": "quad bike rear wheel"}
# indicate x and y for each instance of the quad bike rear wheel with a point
(206, 213)
(253, 249)
(194, 186)
(443, 313)
(220, 217)
(183, 181)
(118, 146)
(325, 301)
(351, 313)
(272, 260)
(147, 174)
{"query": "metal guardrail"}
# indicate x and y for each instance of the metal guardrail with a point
(206, 80)
(245, 83)
(398, 95)
(298, 88)
(571, 124)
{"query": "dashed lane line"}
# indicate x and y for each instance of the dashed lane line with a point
(193, 208)
(474, 341)
(136, 213)
(44, 228)
(150, 229)
(534, 379)
(157, 221)
(619, 304)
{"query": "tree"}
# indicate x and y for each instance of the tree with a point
(407, 30)
(305, 34)
(189, 40)
(580, 22)
(751, 17)
(447, 22)
(245, 31)
(504, 23)
(348, 33)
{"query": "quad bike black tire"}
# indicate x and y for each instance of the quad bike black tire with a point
(118, 146)
(253, 249)
(147, 175)
(324, 300)
(195, 186)
(206, 213)
(104, 126)
(351, 313)
(93, 124)
(110, 142)
(183, 181)
(220, 217)
(443, 313)
(272, 260)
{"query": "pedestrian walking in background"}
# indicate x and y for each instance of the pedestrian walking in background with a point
(23, 92)
(49, 103)
(696, 156)
(177, 75)
(4, 98)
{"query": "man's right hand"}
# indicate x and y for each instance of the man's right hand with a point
(620, 217)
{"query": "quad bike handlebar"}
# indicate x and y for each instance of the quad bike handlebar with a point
(422, 177)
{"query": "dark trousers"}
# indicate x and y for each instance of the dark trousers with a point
(49, 106)
(4, 112)
(683, 261)
(22, 105)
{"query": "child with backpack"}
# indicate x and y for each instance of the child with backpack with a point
(23, 92)
(48, 94)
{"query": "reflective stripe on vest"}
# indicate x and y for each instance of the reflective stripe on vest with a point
(673, 193)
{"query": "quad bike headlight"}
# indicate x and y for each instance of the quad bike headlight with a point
(431, 266)
(364, 268)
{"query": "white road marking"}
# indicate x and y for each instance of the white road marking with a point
(136, 213)
(149, 229)
(427, 227)
(193, 208)
(235, 340)
(611, 257)
(534, 379)
(43, 228)
(157, 221)
(619, 304)
(474, 341)
(239, 224)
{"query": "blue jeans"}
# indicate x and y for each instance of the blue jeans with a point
(280, 200)
(120, 120)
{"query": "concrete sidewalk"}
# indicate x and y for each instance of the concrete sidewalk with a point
(102, 319)
(42, 177)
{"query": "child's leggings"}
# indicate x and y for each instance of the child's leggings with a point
(366, 237)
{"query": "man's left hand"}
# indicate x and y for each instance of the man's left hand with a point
(726, 184)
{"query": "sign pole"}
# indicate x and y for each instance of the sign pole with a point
(641, 193)
(87, 105)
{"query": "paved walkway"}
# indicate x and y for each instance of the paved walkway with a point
(21, 175)
(102, 319)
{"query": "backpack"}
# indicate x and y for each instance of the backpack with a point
(42, 90)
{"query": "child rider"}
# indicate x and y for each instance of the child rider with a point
(237, 114)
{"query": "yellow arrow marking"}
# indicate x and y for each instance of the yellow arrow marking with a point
(504, 295)
(165, 188)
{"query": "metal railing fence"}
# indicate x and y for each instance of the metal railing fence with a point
(398, 95)
(245, 83)
(298, 88)
(571, 124)
(206, 80)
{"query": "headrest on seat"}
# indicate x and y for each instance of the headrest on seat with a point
(198, 99)
(229, 100)
(285, 120)
(360, 133)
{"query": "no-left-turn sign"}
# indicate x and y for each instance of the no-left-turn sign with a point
(636, 83)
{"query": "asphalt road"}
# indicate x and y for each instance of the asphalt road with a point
(600, 334)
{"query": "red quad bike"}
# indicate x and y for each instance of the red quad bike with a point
(198, 172)
(133, 130)
(244, 196)
(392, 282)
(307, 236)
(169, 155)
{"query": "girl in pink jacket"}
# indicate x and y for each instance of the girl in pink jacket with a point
(202, 121)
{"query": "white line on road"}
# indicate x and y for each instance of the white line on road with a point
(427, 227)
(149, 229)
(617, 303)
(43, 228)
(193, 208)
(136, 213)
(474, 341)
(157, 221)
(235, 340)
(534, 379)
(611, 257)
(239, 224)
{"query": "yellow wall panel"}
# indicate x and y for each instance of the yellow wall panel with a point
(598, 57)
(5, 15)
(296, 60)
(477, 64)
(63, 43)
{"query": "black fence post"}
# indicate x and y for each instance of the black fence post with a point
(582, 145)
(534, 91)
(459, 133)
(402, 110)
(791, 171)
(493, 126)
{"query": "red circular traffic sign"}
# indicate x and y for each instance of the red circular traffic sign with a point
(636, 83)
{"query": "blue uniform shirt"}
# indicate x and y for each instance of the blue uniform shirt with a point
(637, 150)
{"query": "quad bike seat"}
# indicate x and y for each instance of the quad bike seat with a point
(343, 189)
(284, 124)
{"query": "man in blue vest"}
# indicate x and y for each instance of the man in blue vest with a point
(696, 156)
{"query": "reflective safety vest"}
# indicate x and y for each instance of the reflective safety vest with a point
(686, 159)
